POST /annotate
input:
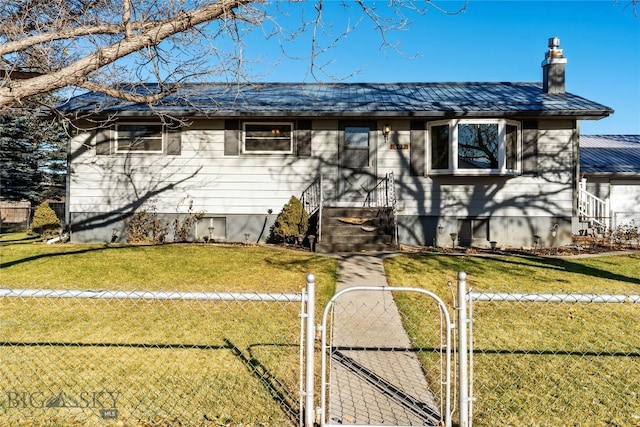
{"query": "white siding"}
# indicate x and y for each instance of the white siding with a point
(216, 183)
(249, 185)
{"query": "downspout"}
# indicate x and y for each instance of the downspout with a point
(67, 184)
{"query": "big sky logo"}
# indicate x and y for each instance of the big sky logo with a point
(38, 399)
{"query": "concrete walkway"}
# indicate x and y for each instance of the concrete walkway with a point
(375, 376)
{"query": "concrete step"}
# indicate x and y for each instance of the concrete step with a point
(356, 229)
(327, 248)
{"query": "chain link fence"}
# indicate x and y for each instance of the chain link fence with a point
(95, 358)
(554, 359)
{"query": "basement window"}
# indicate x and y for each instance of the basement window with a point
(474, 147)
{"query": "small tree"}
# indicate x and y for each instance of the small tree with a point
(45, 221)
(291, 222)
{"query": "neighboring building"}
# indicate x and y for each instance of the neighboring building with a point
(610, 168)
(487, 161)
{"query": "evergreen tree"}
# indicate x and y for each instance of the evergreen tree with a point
(291, 222)
(45, 222)
(19, 176)
(32, 157)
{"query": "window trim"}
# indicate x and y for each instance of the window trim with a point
(453, 168)
(290, 151)
(163, 137)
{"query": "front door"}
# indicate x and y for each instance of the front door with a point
(357, 159)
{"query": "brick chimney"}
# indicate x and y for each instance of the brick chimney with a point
(553, 68)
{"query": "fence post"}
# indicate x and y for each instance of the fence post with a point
(463, 352)
(309, 410)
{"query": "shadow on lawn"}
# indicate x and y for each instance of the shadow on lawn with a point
(275, 387)
(570, 266)
(476, 265)
(74, 251)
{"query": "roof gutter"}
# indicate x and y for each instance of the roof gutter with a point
(575, 114)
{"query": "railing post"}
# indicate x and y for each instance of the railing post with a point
(463, 351)
(309, 410)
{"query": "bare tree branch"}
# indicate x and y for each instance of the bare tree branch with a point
(76, 74)
(47, 45)
(127, 95)
(27, 42)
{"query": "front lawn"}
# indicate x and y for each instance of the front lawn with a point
(155, 362)
(539, 364)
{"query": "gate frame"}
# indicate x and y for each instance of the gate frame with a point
(323, 346)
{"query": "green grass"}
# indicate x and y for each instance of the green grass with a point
(170, 361)
(237, 363)
(539, 364)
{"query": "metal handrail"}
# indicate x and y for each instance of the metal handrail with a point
(394, 205)
(383, 195)
(312, 199)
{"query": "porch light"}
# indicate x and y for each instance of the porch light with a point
(275, 131)
(386, 130)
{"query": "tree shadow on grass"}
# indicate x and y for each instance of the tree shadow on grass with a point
(71, 252)
(477, 264)
(275, 386)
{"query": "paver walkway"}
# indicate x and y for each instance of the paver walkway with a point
(375, 376)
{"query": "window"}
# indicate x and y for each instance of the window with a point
(268, 138)
(440, 147)
(139, 138)
(474, 147)
(356, 147)
(473, 231)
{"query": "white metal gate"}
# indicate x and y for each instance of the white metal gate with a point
(374, 371)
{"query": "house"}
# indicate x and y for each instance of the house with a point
(610, 184)
(375, 164)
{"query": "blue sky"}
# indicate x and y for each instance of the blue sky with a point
(489, 41)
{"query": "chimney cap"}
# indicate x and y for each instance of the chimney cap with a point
(553, 67)
(554, 54)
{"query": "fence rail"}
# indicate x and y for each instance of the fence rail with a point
(139, 358)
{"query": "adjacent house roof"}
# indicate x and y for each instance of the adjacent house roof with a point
(351, 99)
(610, 154)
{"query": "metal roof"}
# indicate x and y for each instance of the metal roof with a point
(610, 154)
(349, 99)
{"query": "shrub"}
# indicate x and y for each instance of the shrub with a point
(45, 221)
(292, 221)
(182, 226)
(145, 226)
